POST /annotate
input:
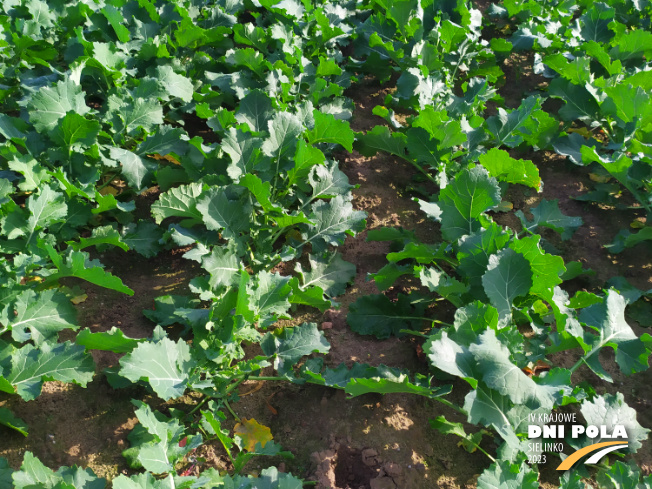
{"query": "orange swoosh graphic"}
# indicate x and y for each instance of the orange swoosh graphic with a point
(570, 460)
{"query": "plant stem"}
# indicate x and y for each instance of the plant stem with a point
(446, 402)
(199, 405)
(235, 416)
(105, 184)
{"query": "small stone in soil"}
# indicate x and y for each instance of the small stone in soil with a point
(326, 325)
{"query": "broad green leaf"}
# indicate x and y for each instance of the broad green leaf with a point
(327, 271)
(489, 408)
(165, 365)
(113, 340)
(448, 355)
(33, 173)
(622, 476)
(288, 346)
(440, 282)
(387, 276)
(73, 129)
(504, 168)
(505, 475)
(508, 276)
(464, 200)
(8, 419)
(260, 190)
(580, 104)
(441, 127)
(312, 296)
(39, 316)
(381, 139)
(100, 237)
(284, 131)
(330, 130)
(607, 319)
(547, 214)
(305, 158)
(138, 171)
(223, 266)
(173, 84)
(546, 269)
(180, 201)
(130, 115)
(64, 362)
(498, 371)
(220, 212)
(45, 209)
(334, 220)
(6, 473)
(50, 104)
(269, 297)
(377, 315)
(144, 237)
(33, 473)
(390, 380)
(116, 18)
(611, 410)
(508, 128)
(474, 251)
(77, 264)
(328, 181)
(244, 151)
(255, 109)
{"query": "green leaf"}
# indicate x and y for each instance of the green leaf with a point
(388, 380)
(113, 340)
(505, 475)
(546, 269)
(34, 474)
(8, 419)
(580, 104)
(180, 201)
(138, 171)
(508, 276)
(504, 168)
(77, 264)
(508, 128)
(130, 115)
(220, 212)
(377, 315)
(116, 18)
(334, 221)
(255, 110)
(269, 297)
(173, 84)
(463, 201)
(45, 209)
(607, 319)
(328, 181)
(261, 191)
(50, 104)
(65, 362)
(6, 473)
(305, 158)
(223, 266)
(547, 214)
(441, 127)
(611, 410)
(43, 314)
(165, 365)
(380, 139)
(290, 344)
(449, 355)
(100, 237)
(327, 271)
(492, 361)
(284, 131)
(488, 407)
(33, 173)
(155, 443)
(144, 238)
(622, 476)
(328, 129)
(73, 129)
(244, 151)
(312, 296)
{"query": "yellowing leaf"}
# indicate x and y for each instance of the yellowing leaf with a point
(599, 178)
(109, 190)
(169, 158)
(79, 299)
(636, 224)
(504, 206)
(582, 131)
(251, 433)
